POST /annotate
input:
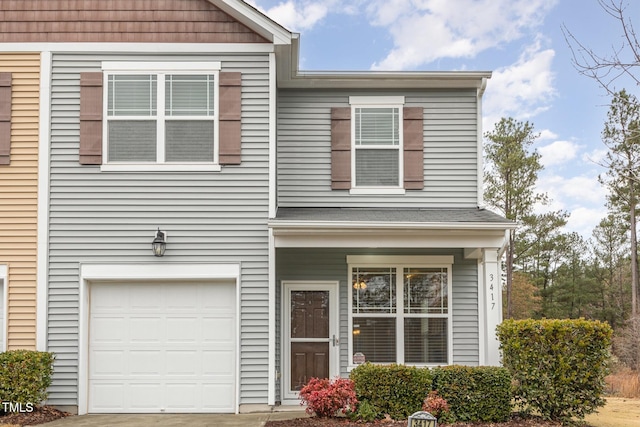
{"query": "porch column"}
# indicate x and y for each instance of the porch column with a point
(492, 300)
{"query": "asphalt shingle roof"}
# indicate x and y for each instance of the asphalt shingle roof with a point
(463, 215)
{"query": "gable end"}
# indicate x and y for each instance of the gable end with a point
(116, 21)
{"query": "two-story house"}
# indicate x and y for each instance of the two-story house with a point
(310, 221)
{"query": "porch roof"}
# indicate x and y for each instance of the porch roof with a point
(473, 229)
(441, 218)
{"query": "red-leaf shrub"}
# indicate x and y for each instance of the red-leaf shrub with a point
(435, 405)
(328, 397)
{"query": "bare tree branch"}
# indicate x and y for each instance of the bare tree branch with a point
(622, 61)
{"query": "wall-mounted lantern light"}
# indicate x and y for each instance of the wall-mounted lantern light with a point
(159, 243)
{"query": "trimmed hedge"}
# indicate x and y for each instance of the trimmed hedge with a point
(480, 393)
(397, 390)
(559, 365)
(473, 393)
(25, 376)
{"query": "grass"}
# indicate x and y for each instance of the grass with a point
(618, 412)
(624, 383)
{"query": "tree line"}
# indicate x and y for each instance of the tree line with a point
(552, 273)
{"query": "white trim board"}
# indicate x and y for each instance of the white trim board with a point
(4, 299)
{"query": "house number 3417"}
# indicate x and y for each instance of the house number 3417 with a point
(492, 280)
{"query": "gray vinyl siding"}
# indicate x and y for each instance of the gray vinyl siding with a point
(450, 150)
(331, 265)
(110, 217)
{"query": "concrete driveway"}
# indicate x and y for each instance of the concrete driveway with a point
(166, 420)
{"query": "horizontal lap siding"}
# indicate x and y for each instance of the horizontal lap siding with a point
(110, 217)
(19, 200)
(331, 265)
(169, 21)
(450, 150)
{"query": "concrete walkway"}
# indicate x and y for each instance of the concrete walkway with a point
(167, 420)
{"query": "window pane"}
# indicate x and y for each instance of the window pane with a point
(374, 290)
(377, 168)
(425, 340)
(189, 141)
(132, 140)
(375, 337)
(425, 290)
(377, 126)
(132, 95)
(189, 95)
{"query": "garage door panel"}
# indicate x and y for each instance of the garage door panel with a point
(182, 329)
(216, 298)
(217, 396)
(108, 329)
(142, 300)
(108, 397)
(145, 362)
(145, 329)
(183, 396)
(159, 354)
(218, 330)
(183, 363)
(108, 363)
(218, 362)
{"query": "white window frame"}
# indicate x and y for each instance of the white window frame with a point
(160, 69)
(377, 102)
(400, 262)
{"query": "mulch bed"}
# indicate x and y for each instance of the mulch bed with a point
(40, 415)
(516, 421)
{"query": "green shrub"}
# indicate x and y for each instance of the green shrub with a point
(365, 412)
(25, 376)
(397, 390)
(559, 365)
(480, 393)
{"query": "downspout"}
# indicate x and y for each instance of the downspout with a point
(479, 166)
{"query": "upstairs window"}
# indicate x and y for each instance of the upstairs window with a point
(377, 159)
(161, 117)
(377, 146)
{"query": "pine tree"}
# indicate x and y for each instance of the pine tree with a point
(510, 177)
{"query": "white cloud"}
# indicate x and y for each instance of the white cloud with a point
(522, 89)
(547, 134)
(558, 153)
(584, 219)
(576, 190)
(426, 30)
(298, 15)
(581, 196)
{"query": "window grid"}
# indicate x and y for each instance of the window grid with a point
(377, 146)
(196, 148)
(421, 332)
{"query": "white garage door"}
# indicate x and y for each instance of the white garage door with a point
(162, 347)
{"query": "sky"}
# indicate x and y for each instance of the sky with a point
(520, 41)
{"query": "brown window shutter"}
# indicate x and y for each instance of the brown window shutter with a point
(230, 118)
(413, 134)
(91, 118)
(5, 118)
(341, 148)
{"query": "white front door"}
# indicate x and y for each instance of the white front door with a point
(162, 347)
(311, 347)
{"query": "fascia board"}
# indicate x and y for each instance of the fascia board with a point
(255, 20)
(384, 80)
